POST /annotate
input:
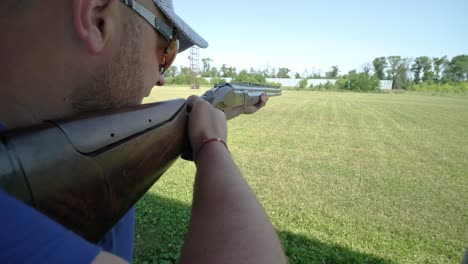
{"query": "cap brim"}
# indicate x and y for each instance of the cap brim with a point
(187, 36)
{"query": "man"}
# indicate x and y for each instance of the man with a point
(60, 58)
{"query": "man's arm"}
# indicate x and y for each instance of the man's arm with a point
(228, 224)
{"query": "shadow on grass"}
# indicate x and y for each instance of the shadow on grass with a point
(161, 225)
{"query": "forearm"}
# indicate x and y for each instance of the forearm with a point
(228, 225)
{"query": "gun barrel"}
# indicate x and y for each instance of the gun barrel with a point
(259, 91)
(255, 87)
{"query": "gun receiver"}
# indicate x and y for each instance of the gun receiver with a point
(228, 95)
(88, 171)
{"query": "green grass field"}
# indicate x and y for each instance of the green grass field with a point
(344, 177)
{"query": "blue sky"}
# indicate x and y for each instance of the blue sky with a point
(315, 35)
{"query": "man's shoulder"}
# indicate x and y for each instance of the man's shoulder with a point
(30, 237)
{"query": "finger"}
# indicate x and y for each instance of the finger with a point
(263, 100)
(193, 99)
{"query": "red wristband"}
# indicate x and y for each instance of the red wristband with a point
(206, 141)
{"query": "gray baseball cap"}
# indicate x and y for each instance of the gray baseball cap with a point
(187, 36)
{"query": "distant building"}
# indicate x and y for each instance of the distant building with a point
(386, 85)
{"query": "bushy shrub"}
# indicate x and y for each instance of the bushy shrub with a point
(203, 81)
(359, 82)
(244, 76)
(460, 87)
(178, 80)
(275, 84)
(302, 84)
(217, 80)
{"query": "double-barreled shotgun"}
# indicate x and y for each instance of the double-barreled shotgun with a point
(87, 171)
(230, 95)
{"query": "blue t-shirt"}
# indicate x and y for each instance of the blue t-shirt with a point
(118, 241)
(28, 236)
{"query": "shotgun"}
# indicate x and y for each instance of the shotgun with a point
(86, 172)
(228, 95)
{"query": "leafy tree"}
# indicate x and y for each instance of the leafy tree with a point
(366, 68)
(426, 66)
(394, 64)
(439, 66)
(214, 72)
(402, 80)
(266, 73)
(232, 72)
(422, 69)
(417, 69)
(380, 64)
(457, 68)
(333, 73)
(223, 70)
(283, 73)
(228, 71)
(206, 67)
(272, 73)
(398, 72)
(297, 76)
(316, 75)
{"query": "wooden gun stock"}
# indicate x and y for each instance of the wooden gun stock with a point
(87, 172)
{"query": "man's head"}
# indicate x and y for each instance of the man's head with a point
(64, 57)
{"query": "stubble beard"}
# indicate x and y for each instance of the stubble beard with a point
(120, 83)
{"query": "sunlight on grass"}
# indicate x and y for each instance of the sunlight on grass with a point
(344, 177)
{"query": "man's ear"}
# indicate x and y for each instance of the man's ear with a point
(95, 22)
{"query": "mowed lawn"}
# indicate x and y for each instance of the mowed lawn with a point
(344, 177)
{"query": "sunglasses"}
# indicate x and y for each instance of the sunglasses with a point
(168, 33)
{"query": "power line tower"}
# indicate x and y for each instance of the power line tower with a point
(194, 66)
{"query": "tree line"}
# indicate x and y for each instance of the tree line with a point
(420, 73)
(406, 72)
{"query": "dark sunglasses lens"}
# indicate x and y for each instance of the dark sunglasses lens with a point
(171, 54)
